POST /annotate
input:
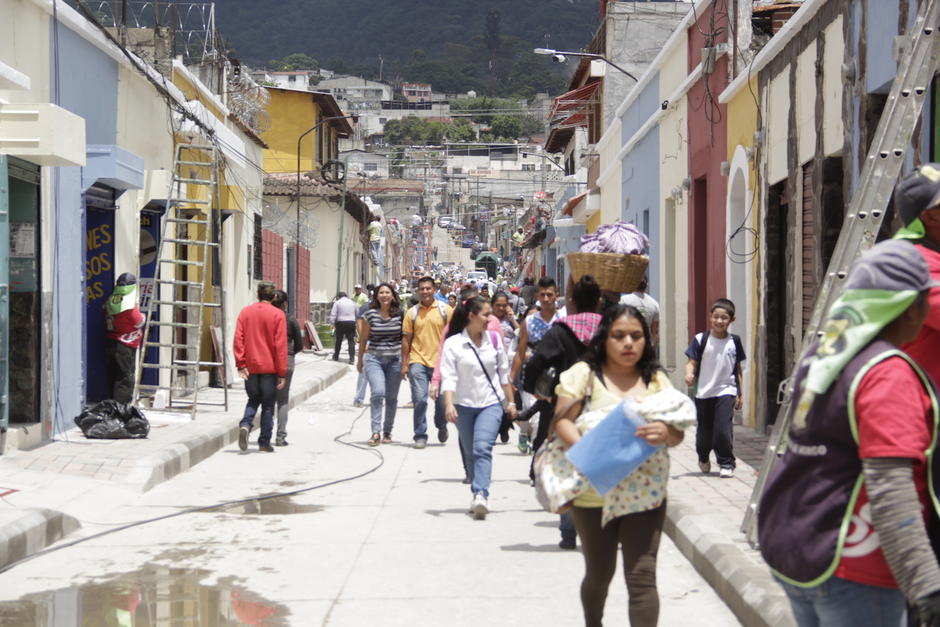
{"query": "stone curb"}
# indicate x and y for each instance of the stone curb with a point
(745, 587)
(31, 531)
(181, 456)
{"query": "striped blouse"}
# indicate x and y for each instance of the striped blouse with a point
(384, 334)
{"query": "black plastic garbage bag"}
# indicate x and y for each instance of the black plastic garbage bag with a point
(110, 420)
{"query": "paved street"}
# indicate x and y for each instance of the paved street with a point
(394, 547)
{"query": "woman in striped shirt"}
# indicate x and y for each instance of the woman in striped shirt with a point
(380, 358)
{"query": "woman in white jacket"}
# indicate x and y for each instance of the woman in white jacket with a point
(475, 384)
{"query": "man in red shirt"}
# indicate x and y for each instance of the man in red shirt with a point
(917, 200)
(261, 358)
(123, 321)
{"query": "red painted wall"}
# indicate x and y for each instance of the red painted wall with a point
(303, 285)
(708, 139)
(272, 267)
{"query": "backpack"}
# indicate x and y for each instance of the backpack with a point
(738, 351)
(441, 307)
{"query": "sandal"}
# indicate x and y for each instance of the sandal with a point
(387, 439)
(374, 440)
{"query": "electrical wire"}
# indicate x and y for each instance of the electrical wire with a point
(205, 508)
(747, 256)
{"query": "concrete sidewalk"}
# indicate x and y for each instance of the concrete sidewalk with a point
(703, 519)
(46, 488)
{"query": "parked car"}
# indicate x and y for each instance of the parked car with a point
(456, 226)
(445, 222)
(467, 242)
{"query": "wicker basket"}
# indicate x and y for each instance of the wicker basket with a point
(613, 272)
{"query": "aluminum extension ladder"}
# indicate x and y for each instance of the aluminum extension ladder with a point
(882, 167)
(182, 286)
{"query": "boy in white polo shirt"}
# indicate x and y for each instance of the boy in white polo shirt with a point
(714, 368)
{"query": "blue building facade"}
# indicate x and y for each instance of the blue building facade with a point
(640, 174)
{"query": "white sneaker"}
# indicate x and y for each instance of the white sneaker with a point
(705, 467)
(726, 472)
(478, 506)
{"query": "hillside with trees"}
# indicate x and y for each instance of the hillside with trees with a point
(455, 45)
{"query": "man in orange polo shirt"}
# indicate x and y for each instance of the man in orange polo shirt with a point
(420, 347)
(261, 358)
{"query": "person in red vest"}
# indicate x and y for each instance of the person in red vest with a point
(261, 358)
(123, 336)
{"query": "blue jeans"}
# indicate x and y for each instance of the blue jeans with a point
(283, 399)
(361, 386)
(841, 603)
(419, 376)
(384, 374)
(478, 428)
(262, 390)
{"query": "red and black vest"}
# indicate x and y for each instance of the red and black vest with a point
(807, 505)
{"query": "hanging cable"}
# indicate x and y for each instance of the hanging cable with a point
(205, 508)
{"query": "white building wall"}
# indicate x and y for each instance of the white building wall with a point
(674, 216)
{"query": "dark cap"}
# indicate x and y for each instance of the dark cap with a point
(894, 265)
(126, 278)
(917, 192)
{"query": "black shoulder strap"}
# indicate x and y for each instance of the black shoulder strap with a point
(738, 347)
(701, 352)
(738, 351)
(488, 379)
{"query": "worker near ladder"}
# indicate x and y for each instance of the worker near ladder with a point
(843, 519)
(123, 323)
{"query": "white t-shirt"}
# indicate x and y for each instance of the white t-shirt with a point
(716, 369)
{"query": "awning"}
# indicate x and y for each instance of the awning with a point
(573, 121)
(572, 203)
(558, 139)
(574, 99)
(42, 133)
(114, 167)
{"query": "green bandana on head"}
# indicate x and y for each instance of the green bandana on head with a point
(913, 231)
(123, 298)
(883, 283)
(856, 318)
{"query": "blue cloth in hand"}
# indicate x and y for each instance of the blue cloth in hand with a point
(610, 451)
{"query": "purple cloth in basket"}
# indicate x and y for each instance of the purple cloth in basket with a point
(620, 237)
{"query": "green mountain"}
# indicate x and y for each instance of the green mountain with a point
(456, 45)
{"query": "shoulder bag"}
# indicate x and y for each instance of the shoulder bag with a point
(557, 481)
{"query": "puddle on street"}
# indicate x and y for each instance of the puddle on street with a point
(275, 506)
(154, 595)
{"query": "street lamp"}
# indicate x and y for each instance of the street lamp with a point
(560, 57)
(546, 157)
(293, 299)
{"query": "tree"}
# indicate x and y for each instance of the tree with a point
(461, 131)
(415, 131)
(506, 126)
(294, 63)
